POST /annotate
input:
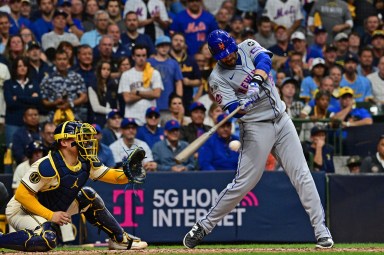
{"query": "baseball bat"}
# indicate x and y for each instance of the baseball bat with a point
(195, 145)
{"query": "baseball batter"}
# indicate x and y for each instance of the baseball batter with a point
(242, 77)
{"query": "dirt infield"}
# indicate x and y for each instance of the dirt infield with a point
(200, 251)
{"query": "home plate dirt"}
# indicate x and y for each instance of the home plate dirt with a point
(197, 251)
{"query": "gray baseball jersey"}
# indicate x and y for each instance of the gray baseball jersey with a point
(230, 85)
(265, 128)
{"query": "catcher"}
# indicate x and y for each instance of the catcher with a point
(53, 190)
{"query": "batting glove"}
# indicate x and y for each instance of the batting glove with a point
(249, 102)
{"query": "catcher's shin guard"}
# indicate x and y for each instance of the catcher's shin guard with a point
(99, 216)
(43, 238)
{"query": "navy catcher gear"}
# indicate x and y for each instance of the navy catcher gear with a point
(221, 44)
(43, 238)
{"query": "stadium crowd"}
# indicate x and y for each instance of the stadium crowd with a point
(138, 70)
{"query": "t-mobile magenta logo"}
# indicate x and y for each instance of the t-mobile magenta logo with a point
(249, 200)
(127, 210)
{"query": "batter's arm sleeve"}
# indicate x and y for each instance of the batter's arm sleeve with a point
(28, 200)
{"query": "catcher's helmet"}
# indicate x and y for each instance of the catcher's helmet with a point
(221, 44)
(83, 133)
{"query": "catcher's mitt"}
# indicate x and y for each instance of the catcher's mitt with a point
(132, 166)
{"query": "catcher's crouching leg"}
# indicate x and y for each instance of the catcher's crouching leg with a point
(41, 239)
(95, 212)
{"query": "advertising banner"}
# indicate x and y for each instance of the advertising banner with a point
(168, 204)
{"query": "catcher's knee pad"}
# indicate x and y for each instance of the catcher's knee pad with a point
(85, 197)
(96, 213)
(41, 239)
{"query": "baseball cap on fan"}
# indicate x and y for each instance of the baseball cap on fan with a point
(223, 116)
(340, 37)
(33, 45)
(316, 62)
(163, 40)
(298, 36)
(171, 125)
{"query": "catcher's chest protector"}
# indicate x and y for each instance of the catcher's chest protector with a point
(60, 198)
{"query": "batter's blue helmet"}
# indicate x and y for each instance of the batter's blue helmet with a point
(221, 44)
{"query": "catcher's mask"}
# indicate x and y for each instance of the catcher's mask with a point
(83, 133)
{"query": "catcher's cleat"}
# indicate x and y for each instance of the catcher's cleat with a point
(324, 243)
(194, 237)
(130, 242)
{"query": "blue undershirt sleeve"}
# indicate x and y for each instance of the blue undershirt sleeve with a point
(263, 62)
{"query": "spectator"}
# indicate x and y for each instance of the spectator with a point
(38, 68)
(15, 48)
(196, 128)
(320, 40)
(237, 28)
(300, 45)
(288, 89)
(341, 43)
(103, 95)
(112, 130)
(334, 14)
(4, 75)
(360, 85)
(215, 154)
(104, 153)
(58, 34)
(92, 38)
(284, 13)
(26, 9)
(320, 150)
(326, 84)
(377, 46)
(20, 93)
(348, 115)
(354, 41)
(104, 52)
(371, 24)
(34, 152)
(366, 66)
(152, 14)
(354, 164)
(46, 133)
(74, 24)
(140, 85)
(5, 26)
(26, 134)
(376, 80)
(91, 7)
(295, 68)
(27, 35)
(118, 49)
(311, 83)
(70, 50)
(213, 112)
(189, 68)
(374, 163)
(115, 13)
(248, 33)
(330, 55)
(127, 142)
(150, 132)
(176, 111)
(336, 74)
(169, 69)
(17, 21)
(195, 23)
(164, 151)
(43, 24)
(282, 48)
(132, 37)
(223, 19)
(85, 65)
(64, 89)
(265, 35)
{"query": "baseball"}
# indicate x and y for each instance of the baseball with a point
(234, 145)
